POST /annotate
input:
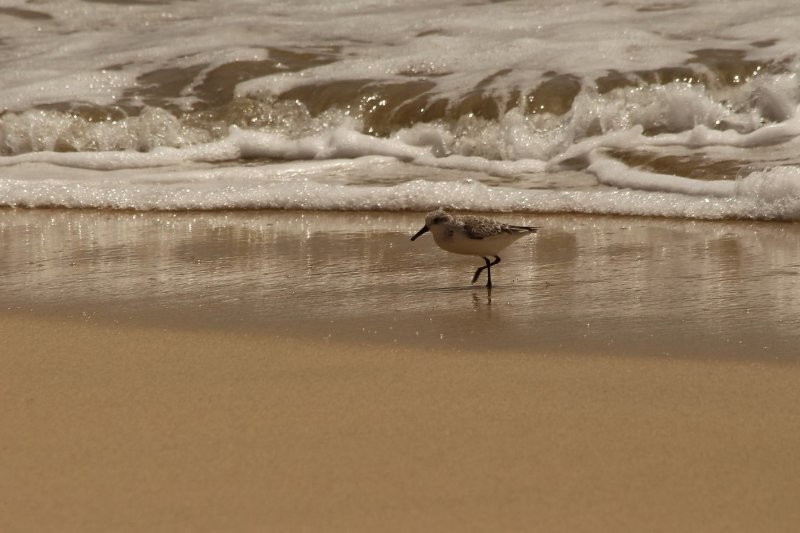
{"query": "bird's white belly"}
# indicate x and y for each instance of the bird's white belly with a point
(459, 243)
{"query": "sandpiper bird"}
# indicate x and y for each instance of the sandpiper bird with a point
(472, 235)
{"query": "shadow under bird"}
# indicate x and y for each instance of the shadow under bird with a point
(473, 235)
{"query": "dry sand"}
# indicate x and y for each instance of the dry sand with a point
(278, 372)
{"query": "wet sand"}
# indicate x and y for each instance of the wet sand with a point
(279, 371)
(623, 286)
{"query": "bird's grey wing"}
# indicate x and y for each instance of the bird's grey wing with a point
(479, 228)
(514, 229)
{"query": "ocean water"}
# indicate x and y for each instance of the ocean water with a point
(685, 108)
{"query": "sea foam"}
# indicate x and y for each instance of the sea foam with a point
(554, 107)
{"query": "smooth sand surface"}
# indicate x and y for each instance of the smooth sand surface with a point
(319, 372)
(109, 428)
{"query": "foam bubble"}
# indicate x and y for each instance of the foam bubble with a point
(49, 130)
(775, 191)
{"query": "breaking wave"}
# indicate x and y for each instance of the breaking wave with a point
(677, 111)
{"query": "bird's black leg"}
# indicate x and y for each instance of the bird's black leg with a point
(480, 269)
(489, 270)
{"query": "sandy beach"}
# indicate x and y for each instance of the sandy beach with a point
(278, 371)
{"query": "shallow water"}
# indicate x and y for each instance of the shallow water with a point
(682, 109)
(594, 284)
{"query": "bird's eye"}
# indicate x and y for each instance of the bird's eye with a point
(438, 220)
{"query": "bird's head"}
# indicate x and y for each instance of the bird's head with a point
(434, 218)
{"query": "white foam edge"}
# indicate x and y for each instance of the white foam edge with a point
(698, 137)
(701, 136)
(339, 143)
(616, 174)
(772, 194)
(101, 88)
(776, 190)
(342, 142)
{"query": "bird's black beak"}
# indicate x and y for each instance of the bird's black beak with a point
(420, 232)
